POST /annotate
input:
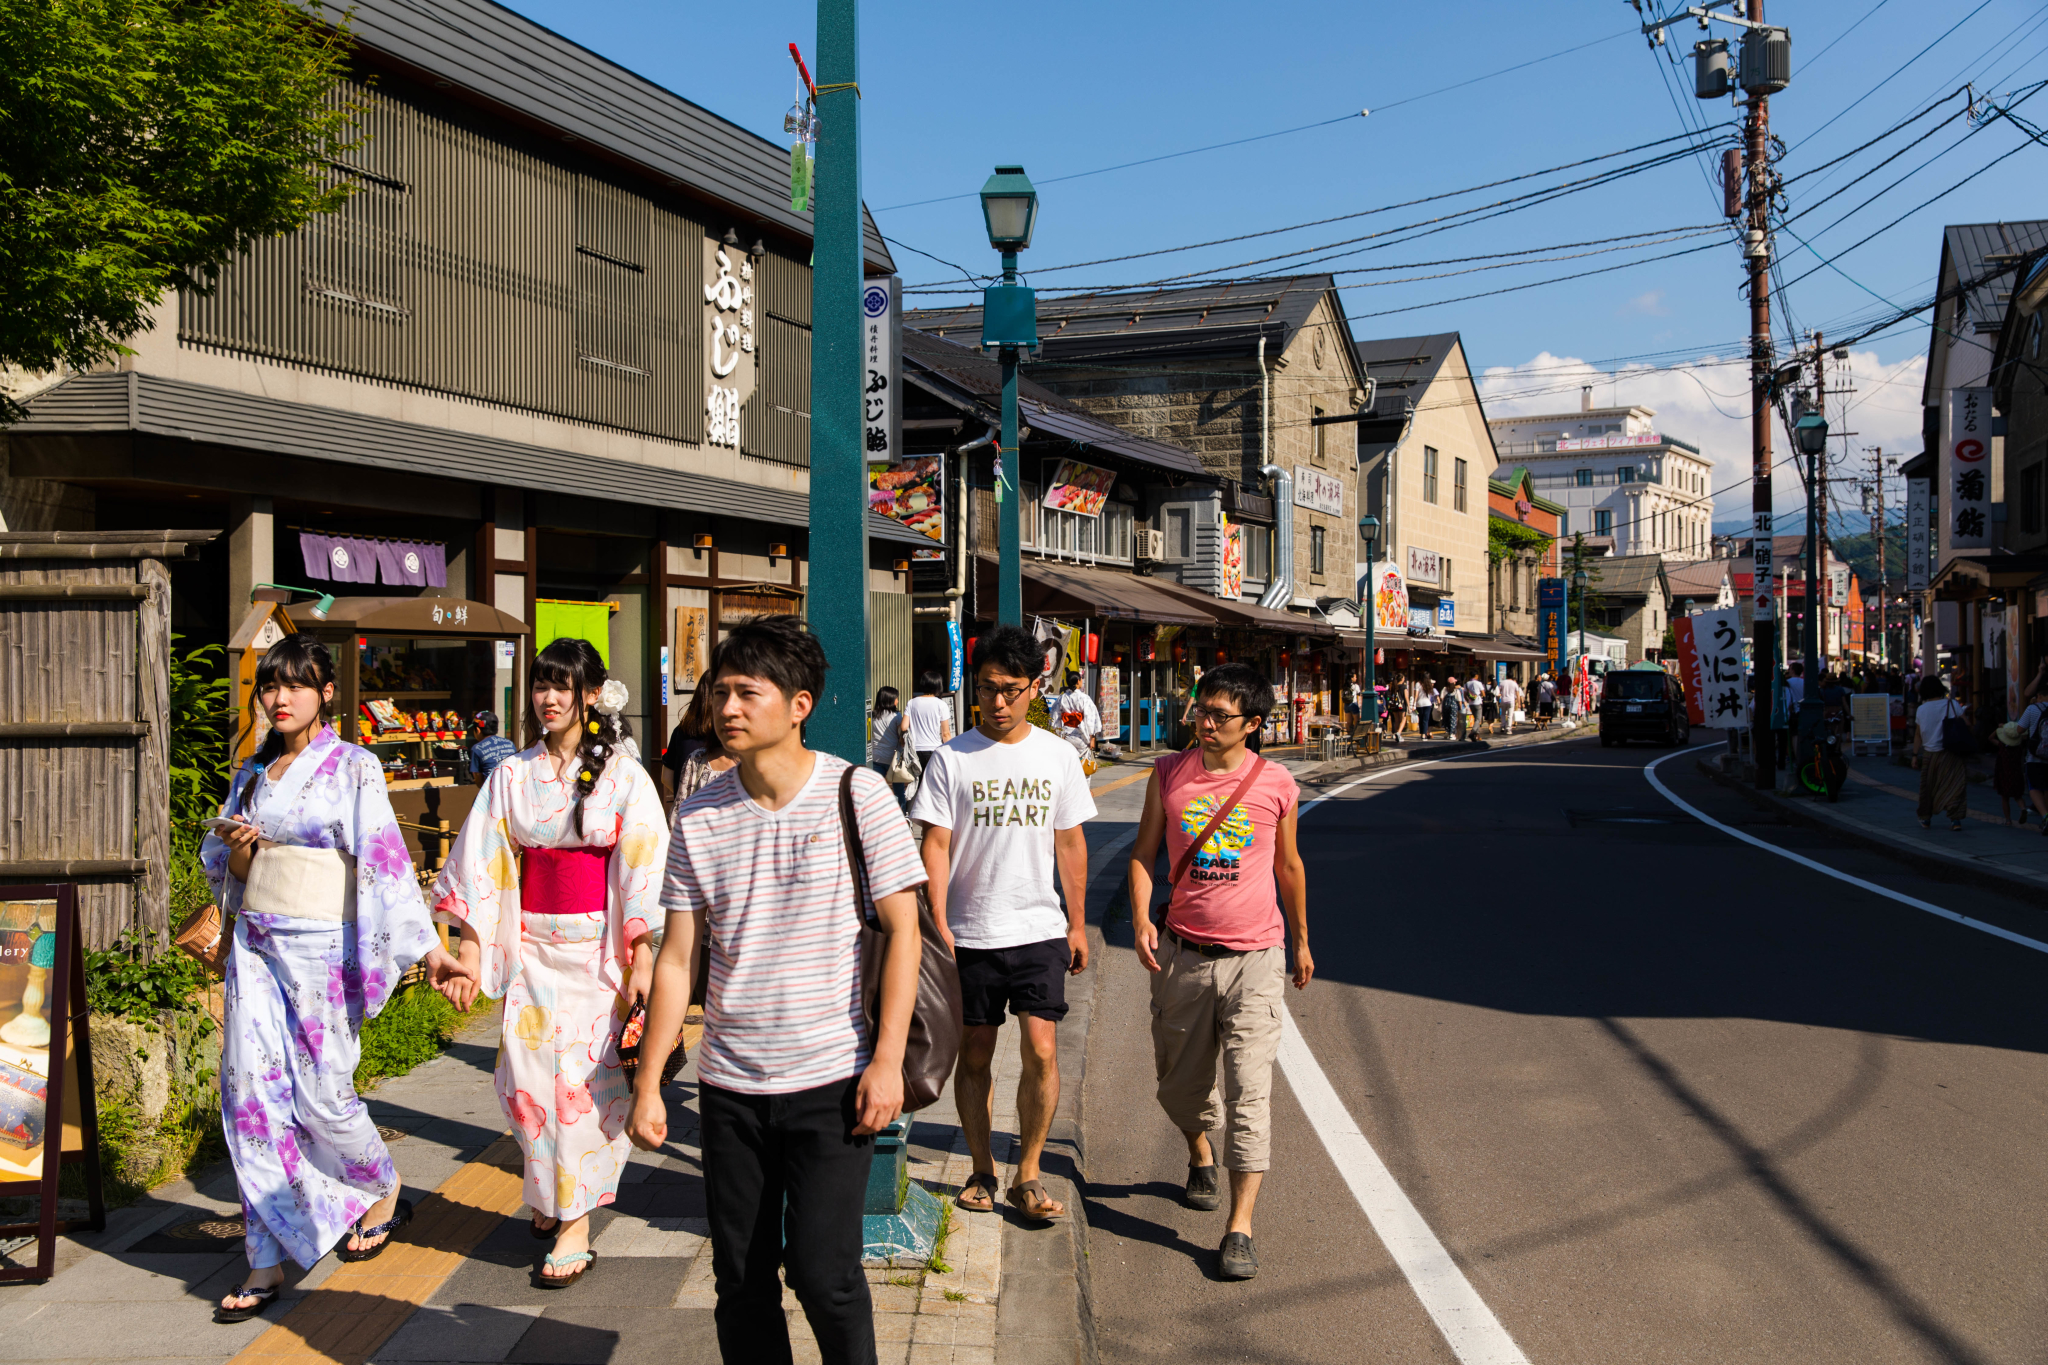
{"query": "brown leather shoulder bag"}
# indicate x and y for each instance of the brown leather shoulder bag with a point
(935, 1020)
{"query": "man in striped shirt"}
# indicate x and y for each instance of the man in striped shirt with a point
(791, 1084)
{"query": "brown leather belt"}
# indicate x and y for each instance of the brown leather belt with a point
(1208, 950)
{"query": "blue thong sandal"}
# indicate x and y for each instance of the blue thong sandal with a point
(264, 1297)
(384, 1229)
(588, 1258)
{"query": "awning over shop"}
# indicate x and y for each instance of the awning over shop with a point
(411, 616)
(1501, 646)
(1427, 644)
(1069, 590)
(1966, 574)
(1243, 615)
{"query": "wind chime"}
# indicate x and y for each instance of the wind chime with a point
(801, 123)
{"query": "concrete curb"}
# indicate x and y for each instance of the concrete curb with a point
(1423, 751)
(1916, 853)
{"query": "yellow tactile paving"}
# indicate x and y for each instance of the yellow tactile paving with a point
(357, 1309)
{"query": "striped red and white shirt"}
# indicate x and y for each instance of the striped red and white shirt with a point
(783, 1012)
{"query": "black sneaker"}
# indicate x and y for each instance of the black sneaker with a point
(1235, 1259)
(1205, 1191)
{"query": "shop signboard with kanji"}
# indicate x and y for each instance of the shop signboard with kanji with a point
(1710, 667)
(1966, 468)
(1318, 491)
(1550, 622)
(1919, 542)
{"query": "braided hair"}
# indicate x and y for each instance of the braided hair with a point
(574, 664)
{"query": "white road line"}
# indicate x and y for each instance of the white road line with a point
(1650, 772)
(1471, 1330)
(1473, 1333)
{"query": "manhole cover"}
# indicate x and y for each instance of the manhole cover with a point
(208, 1230)
(390, 1134)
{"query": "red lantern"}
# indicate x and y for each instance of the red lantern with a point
(1180, 651)
(1092, 647)
(972, 641)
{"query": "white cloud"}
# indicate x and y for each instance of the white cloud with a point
(1706, 403)
(1650, 304)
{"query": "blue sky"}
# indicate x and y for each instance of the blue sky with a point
(1064, 87)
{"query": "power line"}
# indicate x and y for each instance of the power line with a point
(1840, 113)
(1363, 213)
(1284, 132)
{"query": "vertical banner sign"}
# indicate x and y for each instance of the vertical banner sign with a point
(729, 358)
(1550, 622)
(1919, 538)
(1760, 568)
(953, 656)
(881, 325)
(1109, 701)
(1710, 667)
(1966, 467)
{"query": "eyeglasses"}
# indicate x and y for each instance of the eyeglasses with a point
(1203, 713)
(1008, 694)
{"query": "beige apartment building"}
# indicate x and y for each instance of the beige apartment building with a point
(1248, 375)
(1423, 462)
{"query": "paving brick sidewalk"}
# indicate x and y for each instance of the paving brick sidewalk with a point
(1878, 805)
(142, 1292)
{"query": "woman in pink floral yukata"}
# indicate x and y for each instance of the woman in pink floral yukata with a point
(553, 883)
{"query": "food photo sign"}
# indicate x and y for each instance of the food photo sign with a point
(1079, 488)
(47, 1115)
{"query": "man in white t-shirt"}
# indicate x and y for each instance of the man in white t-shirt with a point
(792, 1081)
(928, 719)
(1085, 727)
(1001, 805)
(1510, 702)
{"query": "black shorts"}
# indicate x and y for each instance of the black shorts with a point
(1031, 978)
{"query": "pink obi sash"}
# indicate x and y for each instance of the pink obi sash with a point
(562, 881)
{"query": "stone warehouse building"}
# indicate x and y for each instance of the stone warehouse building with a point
(1246, 375)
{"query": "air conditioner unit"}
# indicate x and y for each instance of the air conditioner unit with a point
(1148, 544)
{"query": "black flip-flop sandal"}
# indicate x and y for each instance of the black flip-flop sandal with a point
(386, 1230)
(264, 1297)
(541, 1234)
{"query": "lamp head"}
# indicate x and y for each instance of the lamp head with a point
(1369, 527)
(1811, 431)
(1009, 206)
(323, 606)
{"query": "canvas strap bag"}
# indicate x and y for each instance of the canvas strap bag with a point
(1252, 763)
(1956, 736)
(936, 1017)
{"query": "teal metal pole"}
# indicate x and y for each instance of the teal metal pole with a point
(1372, 696)
(1009, 462)
(838, 577)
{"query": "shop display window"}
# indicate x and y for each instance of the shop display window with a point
(415, 699)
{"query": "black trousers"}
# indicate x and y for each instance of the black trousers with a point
(784, 1182)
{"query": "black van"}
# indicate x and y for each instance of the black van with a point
(1643, 703)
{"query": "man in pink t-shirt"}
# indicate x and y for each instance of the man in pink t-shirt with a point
(1218, 964)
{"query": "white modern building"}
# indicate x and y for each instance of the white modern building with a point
(1627, 487)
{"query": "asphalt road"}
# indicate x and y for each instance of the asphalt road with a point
(1661, 1095)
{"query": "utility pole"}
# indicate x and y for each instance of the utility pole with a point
(1816, 610)
(1884, 639)
(838, 581)
(1756, 247)
(1765, 67)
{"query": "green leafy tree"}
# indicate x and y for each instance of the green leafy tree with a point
(143, 145)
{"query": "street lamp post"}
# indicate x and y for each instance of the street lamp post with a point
(1009, 322)
(1369, 527)
(1579, 583)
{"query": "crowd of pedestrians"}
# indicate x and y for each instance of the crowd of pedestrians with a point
(600, 922)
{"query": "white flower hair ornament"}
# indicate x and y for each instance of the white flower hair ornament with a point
(611, 698)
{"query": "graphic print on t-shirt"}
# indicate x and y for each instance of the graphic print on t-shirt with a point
(1013, 801)
(1219, 857)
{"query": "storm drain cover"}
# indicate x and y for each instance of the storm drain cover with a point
(208, 1230)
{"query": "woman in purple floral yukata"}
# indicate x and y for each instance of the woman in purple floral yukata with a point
(309, 860)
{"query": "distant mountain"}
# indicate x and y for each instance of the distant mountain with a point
(1860, 553)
